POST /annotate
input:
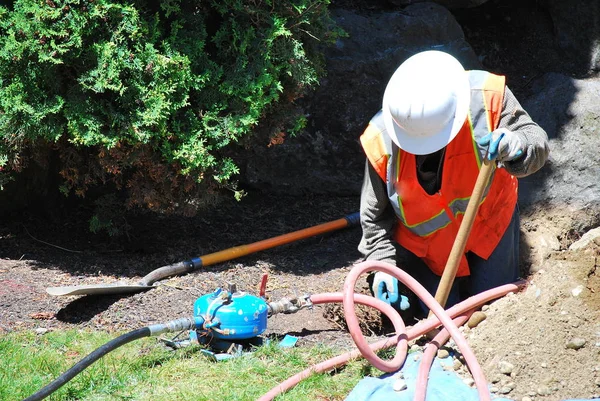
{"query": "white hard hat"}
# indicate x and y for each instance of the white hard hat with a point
(426, 102)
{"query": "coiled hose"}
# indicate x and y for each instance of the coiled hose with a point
(459, 312)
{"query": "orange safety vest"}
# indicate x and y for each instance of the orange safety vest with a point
(428, 224)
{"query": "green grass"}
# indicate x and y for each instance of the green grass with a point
(144, 370)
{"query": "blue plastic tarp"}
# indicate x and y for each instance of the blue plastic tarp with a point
(443, 385)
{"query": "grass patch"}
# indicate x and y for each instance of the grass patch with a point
(144, 370)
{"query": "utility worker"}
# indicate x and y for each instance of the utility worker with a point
(424, 149)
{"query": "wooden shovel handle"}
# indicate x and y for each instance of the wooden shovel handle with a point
(458, 248)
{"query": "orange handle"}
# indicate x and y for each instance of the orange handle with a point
(243, 250)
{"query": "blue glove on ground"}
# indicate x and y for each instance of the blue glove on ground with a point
(504, 145)
(385, 288)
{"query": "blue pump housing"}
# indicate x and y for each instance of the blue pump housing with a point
(237, 316)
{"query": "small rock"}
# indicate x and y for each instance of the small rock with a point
(525, 399)
(443, 354)
(505, 390)
(577, 290)
(576, 343)
(469, 381)
(476, 318)
(400, 385)
(543, 390)
(457, 365)
(41, 331)
(415, 348)
(549, 242)
(505, 367)
(493, 389)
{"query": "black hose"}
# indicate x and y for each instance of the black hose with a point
(88, 360)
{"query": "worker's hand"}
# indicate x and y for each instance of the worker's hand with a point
(504, 145)
(385, 288)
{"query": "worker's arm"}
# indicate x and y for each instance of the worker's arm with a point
(532, 136)
(377, 219)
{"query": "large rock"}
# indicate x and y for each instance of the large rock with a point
(577, 31)
(562, 201)
(567, 109)
(328, 153)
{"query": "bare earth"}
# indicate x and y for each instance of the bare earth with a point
(530, 330)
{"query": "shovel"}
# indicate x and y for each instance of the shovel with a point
(458, 247)
(188, 266)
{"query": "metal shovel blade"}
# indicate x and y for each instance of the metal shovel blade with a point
(98, 289)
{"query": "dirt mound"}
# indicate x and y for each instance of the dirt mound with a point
(549, 332)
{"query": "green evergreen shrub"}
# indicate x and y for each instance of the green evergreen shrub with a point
(151, 97)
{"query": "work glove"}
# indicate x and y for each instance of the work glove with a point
(504, 145)
(385, 288)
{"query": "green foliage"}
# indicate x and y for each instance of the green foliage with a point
(151, 97)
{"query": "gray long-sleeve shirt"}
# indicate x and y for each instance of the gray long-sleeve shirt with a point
(376, 213)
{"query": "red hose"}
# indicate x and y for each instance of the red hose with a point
(428, 299)
(344, 358)
(348, 297)
(429, 355)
